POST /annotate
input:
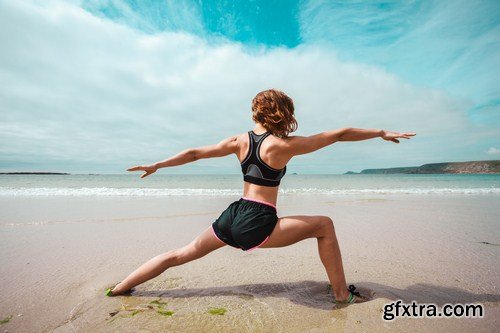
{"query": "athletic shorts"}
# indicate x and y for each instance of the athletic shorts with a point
(246, 224)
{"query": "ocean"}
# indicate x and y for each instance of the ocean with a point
(221, 185)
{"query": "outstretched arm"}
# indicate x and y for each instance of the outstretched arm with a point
(223, 148)
(358, 134)
(298, 145)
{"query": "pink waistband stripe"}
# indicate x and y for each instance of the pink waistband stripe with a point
(260, 201)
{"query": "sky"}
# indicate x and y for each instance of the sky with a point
(99, 86)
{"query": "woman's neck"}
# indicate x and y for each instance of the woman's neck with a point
(259, 128)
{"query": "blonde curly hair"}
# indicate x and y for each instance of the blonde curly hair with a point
(274, 110)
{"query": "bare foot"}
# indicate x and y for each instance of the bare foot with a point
(117, 290)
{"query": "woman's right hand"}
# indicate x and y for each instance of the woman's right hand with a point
(148, 169)
(394, 136)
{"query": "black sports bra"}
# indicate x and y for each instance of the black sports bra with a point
(255, 170)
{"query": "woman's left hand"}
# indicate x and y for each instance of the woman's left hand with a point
(149, 169)
(393, 136)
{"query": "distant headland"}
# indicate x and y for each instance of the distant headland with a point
(473, 167)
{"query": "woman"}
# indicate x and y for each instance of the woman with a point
(252, 222)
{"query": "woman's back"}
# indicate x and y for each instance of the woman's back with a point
(263, 159)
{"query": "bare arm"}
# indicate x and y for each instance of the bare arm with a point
(359, 134)
(223, 148)
(298, 145)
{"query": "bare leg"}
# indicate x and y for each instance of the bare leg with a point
(205, 243)
(292, 229)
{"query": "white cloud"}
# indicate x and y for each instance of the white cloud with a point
(97, 91)
(451, 44)
(493, 151)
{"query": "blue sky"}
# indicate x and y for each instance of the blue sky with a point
(98, 86)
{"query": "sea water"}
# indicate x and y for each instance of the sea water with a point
(222, 185)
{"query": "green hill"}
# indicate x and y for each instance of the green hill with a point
(445, 167)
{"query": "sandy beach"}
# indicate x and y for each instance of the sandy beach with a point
(60, 253)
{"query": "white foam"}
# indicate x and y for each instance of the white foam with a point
(107, 191)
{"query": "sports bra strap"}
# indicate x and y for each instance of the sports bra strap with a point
(254, 169)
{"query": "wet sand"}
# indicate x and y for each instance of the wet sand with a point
(58, 254)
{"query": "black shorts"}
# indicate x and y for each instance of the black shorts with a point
(246, 224)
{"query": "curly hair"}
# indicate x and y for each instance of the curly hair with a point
(274, 110)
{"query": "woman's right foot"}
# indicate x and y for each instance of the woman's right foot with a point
(351, 297)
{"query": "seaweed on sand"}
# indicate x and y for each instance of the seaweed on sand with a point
(155, 305)
(217, 311)
(158, 302)
(5, 320)
(164, 312)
